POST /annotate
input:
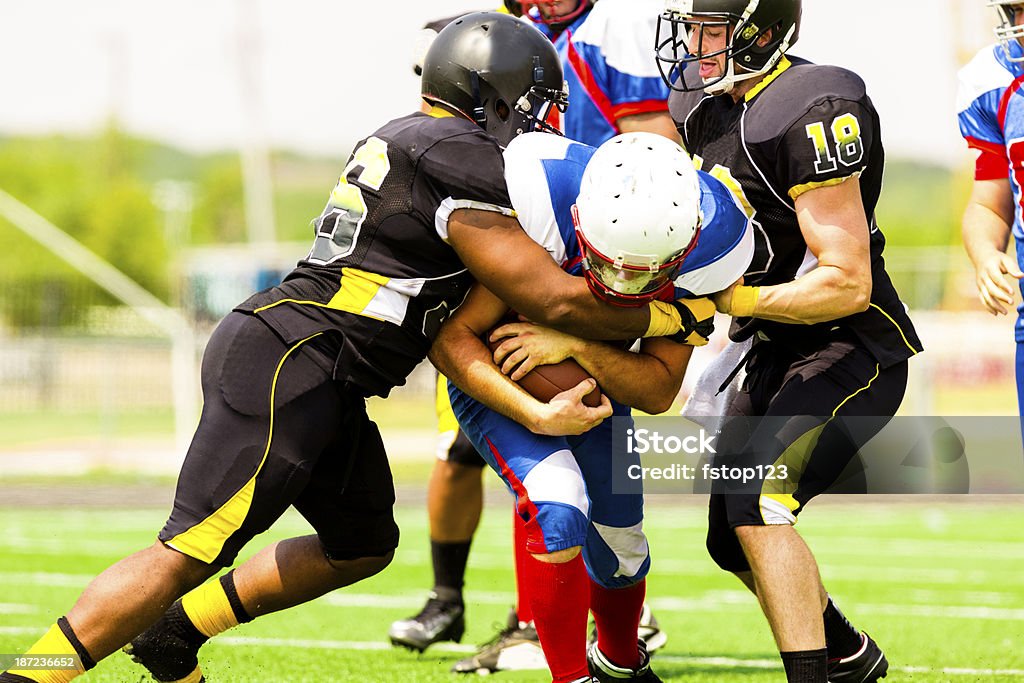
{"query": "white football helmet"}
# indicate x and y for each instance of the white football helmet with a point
(1008, 32)
(637, 217)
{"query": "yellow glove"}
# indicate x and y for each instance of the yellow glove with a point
(689, 321)
(743, 301)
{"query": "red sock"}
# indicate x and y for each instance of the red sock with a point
(617, 615)
(523, 610)
(560, 596)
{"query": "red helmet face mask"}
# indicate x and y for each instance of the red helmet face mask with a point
(552, 19)
(632, 285)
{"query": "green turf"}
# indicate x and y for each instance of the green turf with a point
(47, 426)
(938, 584)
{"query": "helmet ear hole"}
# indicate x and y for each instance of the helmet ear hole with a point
(502, 109)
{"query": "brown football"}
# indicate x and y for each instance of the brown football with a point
(545, 381)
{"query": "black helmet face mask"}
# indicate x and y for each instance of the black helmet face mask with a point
(672, 46)
(747, 37)
(529, 113)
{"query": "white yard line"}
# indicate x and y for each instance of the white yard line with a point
(357, 645)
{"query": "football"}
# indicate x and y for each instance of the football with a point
(545, 381)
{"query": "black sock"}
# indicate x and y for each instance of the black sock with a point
(842, 639)
(227, 582)
(87, 661)
(182, 627)
(806, 666)
(449, 568)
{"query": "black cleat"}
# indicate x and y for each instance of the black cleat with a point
(604, 671)
(169, 648)
(438, 621)
(867, 665)
(515, 648)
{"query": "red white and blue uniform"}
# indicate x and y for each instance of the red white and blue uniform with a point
(607, 60)
(990, 106)
(563, 485)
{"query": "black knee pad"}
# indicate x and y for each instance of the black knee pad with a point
(722, 543)
(726, 551)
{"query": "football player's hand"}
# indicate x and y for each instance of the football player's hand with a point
(565, 414)
(698, 320)
(527, 345)
(993, 289)
(723, 299)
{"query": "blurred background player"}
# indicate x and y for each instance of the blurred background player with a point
(605, 53)
(800, 146)
(287, 372)
(990, 109)
(626, 217)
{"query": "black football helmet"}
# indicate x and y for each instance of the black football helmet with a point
(498, 71)
(747, 22)
(513, 7)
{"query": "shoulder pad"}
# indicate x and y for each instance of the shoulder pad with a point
(801, 88)
(624, 32)
(982, 74)
(543, 174)
(725, 245)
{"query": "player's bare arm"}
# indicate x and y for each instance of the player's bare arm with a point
(834, 226)
(520, 272)
(460, 354)
(648, 380)
(986, 233)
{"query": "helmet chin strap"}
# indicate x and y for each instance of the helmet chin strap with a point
(727, 83)
(479, 115)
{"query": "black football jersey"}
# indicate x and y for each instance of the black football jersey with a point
(380, 275)
(805, 126)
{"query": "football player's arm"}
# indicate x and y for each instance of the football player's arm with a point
(986, 230)
(658, 122)
(648, 380)
(521, 273)
(460, 355)
(836, 231)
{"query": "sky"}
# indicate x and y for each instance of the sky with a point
(317, 75)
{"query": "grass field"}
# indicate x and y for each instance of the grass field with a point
(938, 584)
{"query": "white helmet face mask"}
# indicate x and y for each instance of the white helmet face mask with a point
(1008, 32)
(637, 217)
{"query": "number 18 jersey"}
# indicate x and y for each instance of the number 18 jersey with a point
(803, 127)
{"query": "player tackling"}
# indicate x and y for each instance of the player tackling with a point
(420, 210)
(800, 146)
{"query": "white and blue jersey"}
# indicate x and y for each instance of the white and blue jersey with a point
(563, 485)
(608, 64)
(990, 109)
(990, 106)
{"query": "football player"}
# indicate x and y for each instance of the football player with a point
(419, 211)
(604, 50)
(991, 116)
(627, 218)
(614, 82)
(799, 145)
